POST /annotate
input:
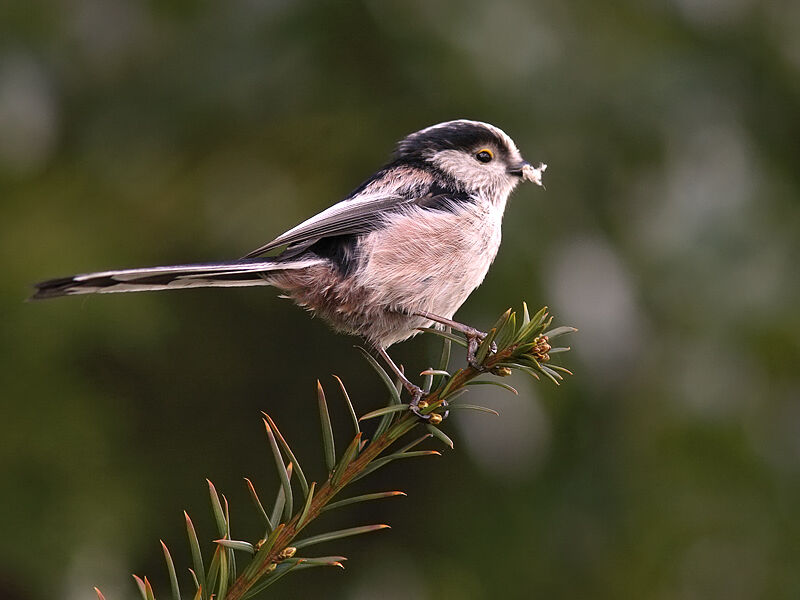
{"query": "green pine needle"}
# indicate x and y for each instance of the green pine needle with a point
(216, 506)
(377, 464)
(384, 411)
(173, 578)
(282, 473)
(197, 557)
(280, 500)
(306, 507)
(337, 535)
(347, 457)
(505, 386)
(461, 406)
(440, 435)
(238, 545)
(362, 498)
(387, 381)
(259, 507)
(289, 454)
(350, 408)
(328, 443)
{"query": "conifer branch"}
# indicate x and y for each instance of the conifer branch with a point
(506, 348)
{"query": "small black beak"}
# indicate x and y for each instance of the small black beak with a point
(517, 169)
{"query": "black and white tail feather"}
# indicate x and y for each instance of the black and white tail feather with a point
(353, 215)
(240, 273)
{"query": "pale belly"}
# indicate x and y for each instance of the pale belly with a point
(422, 261)
(430, 261)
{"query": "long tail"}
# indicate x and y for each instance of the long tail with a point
(239, 273)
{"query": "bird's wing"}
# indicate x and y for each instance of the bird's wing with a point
(358, 214)
(362, 213)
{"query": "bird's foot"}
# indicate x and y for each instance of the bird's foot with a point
(418, 404)
(474, 339)
(474, 336)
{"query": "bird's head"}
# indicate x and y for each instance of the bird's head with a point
(478, 156)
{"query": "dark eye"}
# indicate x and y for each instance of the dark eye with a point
(484, 155)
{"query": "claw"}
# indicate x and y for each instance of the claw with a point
(416, 392)
(417, 395)
(444, 405)
(474, 339)
(418, 404)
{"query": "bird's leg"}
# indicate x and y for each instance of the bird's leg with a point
(474, 336)
(417, 393)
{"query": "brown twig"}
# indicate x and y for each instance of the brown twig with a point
(268, 556)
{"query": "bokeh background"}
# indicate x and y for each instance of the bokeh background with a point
(137, 133)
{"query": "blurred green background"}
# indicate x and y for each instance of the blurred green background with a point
(138, 133)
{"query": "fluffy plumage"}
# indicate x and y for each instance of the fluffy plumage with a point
(419, 235)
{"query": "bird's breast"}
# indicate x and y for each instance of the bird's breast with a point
(428, 259)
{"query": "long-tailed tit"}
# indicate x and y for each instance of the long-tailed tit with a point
(401, 252)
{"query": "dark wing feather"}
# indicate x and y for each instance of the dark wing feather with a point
(360, 214)
(354, 215)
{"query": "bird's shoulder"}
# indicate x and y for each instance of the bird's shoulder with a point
(395, 188)
(413, 184)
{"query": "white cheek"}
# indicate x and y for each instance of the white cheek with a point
(468, 169)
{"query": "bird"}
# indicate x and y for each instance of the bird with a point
(400, 253)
